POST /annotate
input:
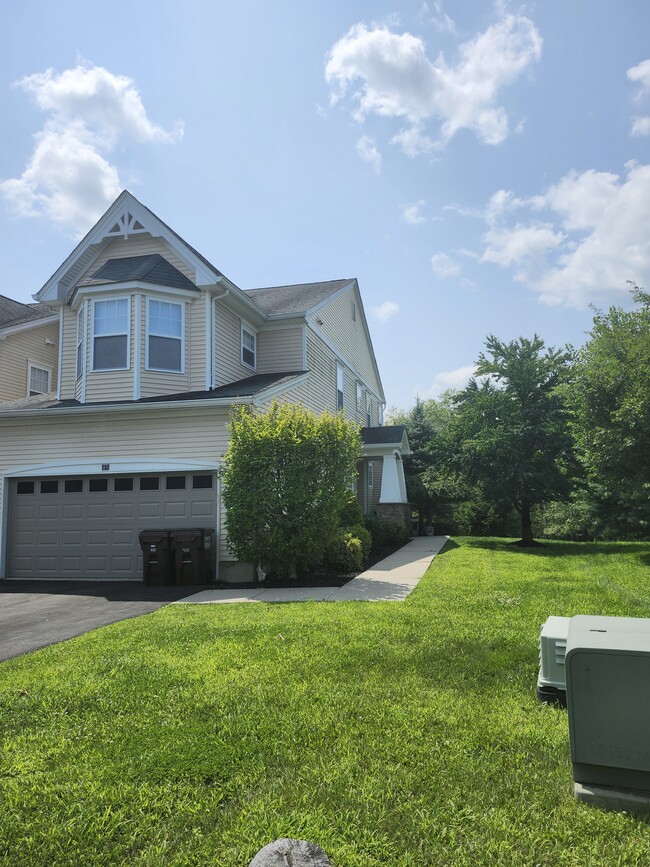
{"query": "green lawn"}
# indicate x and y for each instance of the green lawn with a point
(389, 733)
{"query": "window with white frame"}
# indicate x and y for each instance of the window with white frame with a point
(111, 334)
(164, 336)
(248, 347)
(38, 379)
(339, 387)
(371, 475)
(368, 411)
(80, 341)
(381, 414)
(359, 397)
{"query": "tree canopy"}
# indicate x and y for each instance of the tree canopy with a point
(511, 426)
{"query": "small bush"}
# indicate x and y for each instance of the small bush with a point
(344, 553)
(385, 533)
(351, 514)
(364, 536)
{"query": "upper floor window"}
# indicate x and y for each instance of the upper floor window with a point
(339, 387)
(248, 347)
(368, 411)
(80, 341)
(164, 336)
(359, 397)
(38, 379)
(381, 414)
(111, 334)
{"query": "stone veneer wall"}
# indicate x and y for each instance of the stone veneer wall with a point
(396, 512)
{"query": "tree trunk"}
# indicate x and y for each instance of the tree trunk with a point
(526, 525)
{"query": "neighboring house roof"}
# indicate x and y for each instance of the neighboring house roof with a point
(16, 313)
(146, 269)
(295, 299)
(379, 436)
(380, 440)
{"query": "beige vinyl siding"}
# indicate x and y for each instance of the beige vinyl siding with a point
(138, 245)
(16, 350)
(227, 348)
(178, 434)
(70, 388)
(349, 335)
(279, 349)
(196, 342)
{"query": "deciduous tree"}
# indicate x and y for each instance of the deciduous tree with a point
(511, 426)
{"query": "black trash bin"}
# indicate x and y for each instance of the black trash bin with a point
(189, 547)
(157, 557)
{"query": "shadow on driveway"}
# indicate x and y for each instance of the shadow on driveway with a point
(34, 614)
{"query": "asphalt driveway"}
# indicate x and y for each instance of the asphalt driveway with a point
(34, 614)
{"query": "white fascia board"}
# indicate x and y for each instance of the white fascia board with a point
(274, 390)
(124, 466)
(26, 326)
(360, 308)
(337, 352)
(115, 408)
(131, 286)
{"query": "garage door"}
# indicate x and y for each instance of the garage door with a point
(87, 527)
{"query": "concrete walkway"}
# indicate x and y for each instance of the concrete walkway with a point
(390, 580)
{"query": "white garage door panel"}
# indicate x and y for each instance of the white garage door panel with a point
(87, 533)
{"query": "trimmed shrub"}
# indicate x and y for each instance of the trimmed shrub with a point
(364, 536)
(344, 552)
(385, 533)
(351, 514)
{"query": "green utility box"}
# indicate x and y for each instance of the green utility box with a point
(608, 700)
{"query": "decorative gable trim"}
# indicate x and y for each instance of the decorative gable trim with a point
(126, 216)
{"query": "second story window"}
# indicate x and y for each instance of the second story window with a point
(165, 336)
(248, 347)
(359, 396)
(111, 334)
(339, 387)
(38, 379)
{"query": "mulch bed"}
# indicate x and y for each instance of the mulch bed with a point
(318, 579)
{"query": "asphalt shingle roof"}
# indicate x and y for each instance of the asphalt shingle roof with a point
(248, 387)
(297, 298)
(153, 268)
(378, 436)
(15, 312)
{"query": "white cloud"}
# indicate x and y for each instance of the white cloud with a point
(455, 379)
(413, 141)
(640, 74)
(411, 213)
(68, 178)
(443, 266)
(595, 237)
(520, 245)
(386, 311)
(398, 80)
(367, 150)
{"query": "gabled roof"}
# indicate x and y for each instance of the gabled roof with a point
(16, 313)
(127, 216)
(146, 269)
(378, 439)
(295, 299)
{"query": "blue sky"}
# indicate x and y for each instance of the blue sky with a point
(481, 169)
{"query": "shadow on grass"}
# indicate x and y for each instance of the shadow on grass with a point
(448, 546)
(556, 548)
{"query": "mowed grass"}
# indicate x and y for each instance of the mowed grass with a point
(402, 734)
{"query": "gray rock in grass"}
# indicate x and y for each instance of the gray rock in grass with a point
(291, 853)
